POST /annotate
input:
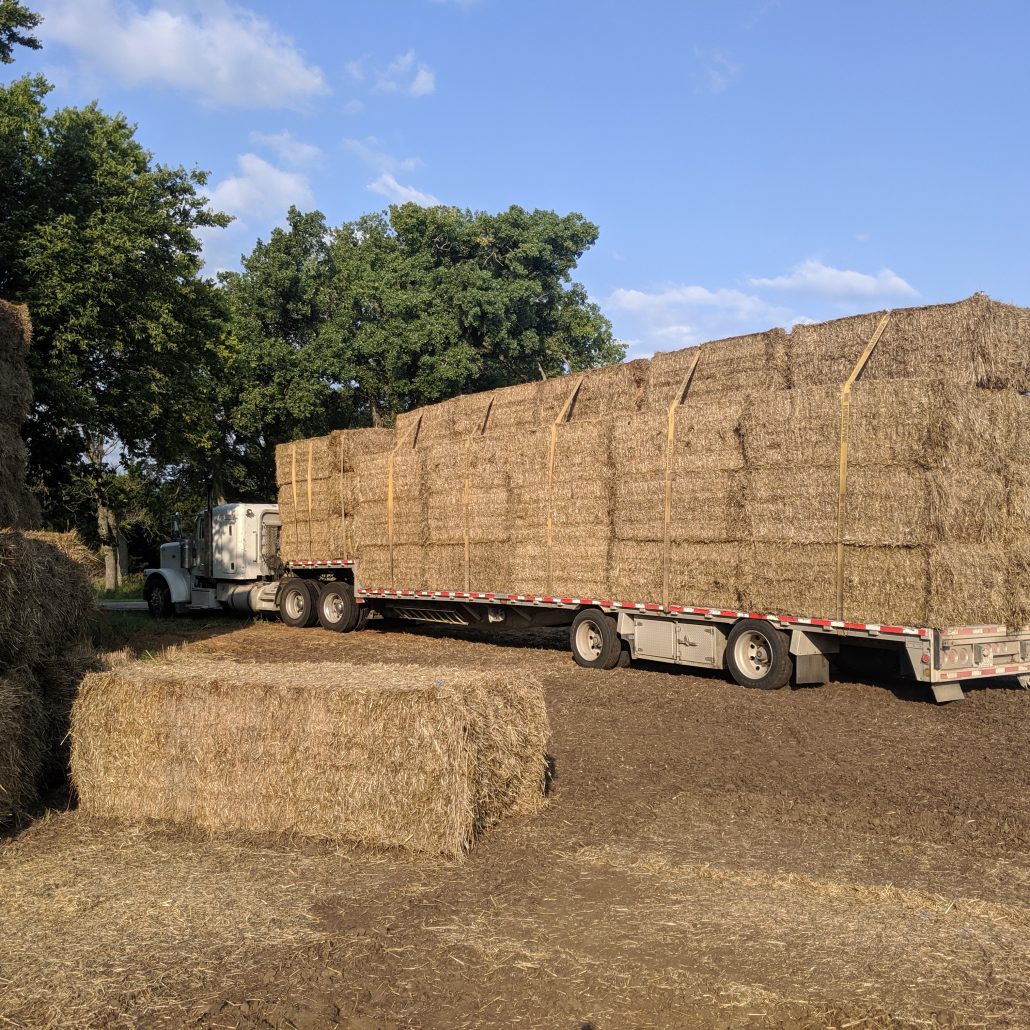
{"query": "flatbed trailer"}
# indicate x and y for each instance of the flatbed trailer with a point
(758, 649)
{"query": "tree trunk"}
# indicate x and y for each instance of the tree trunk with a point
(116, 547)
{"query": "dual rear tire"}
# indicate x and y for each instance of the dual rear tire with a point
(305, 602)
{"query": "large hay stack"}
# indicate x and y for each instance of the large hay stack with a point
(710, 476)
(45, 598)
(17, 506)
(424, 759)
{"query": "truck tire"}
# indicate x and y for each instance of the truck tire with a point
(336, 608)
(363, 614)
(758, 655)
(297, 603)
(595, 641)
(159, 598)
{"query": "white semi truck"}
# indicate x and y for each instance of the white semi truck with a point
(231, 562)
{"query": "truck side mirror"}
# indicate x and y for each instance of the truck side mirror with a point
(176, 527)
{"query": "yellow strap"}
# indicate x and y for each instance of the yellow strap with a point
(562, 417)
(343, 499)
(845, 432)
(467, 493)
(413, 432)
(296, 506)
(311, 451)
(670, 442)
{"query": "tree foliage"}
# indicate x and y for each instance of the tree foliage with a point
(16, 25)
(100, 242)
(350, 326)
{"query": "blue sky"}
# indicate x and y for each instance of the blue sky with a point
(749, 162)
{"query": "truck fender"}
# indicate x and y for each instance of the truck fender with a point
(178, 581)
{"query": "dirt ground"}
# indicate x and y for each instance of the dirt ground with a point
(846, 856)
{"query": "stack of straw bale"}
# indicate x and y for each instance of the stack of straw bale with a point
(17, 506)
(581, 487)
(45, 599)
(424, 759)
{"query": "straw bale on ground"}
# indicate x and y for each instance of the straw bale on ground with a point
(46, 601)
(378, 755)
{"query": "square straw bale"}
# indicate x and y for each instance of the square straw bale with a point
(373, 565)
(581, 557)
(23, 741)
(444, 567)
(725, 368)
(18, 507)
(824, 353)
(382, 756)
(707, 507)
(490, 567)
(635, 571)
(514, 408)
(968, 585)
(703, 574)
(35, 570)
(15, 391)
(975, 342)
(788, 578)
(885, 585)
(793, 428)
(618, 391)
(15, 331)
(708, 432)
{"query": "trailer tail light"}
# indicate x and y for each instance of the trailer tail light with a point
(956, 657)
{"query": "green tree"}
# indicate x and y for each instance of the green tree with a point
(101, 243)
(347, 327)
(16, 25)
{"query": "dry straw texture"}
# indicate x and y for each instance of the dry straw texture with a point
(377, 755)
(46, 601)
(17, 507)
(573, 486)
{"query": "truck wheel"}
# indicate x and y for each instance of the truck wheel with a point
(159, 598)
(363, 614)
(336, 608)
(758, 656)
(595, 641)
(297, 603)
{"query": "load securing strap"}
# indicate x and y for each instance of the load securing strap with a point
(343, 500)
(467, 492)
(311, 450)
(563, 416)
(845, 431)
(670, 443)
(413, 433)
(293, 483)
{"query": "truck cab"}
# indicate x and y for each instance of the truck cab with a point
(229, 562)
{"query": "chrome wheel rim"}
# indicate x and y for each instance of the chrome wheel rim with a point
(753, 655)
(296, 603)
(589, 640)
(332, 607)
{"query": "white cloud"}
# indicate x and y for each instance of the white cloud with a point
(370, 151)
(222, 53)
(814, 278)
(354, 107)
(424, 82)
(404, 74)
(731, 302)
(680, 315)
(397, 193)
(715, 72)
(287, 147)
(683, 315)
(261, 189)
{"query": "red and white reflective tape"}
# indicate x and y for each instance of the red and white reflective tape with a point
(648, 606)
(329, 563)
(972, 674)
